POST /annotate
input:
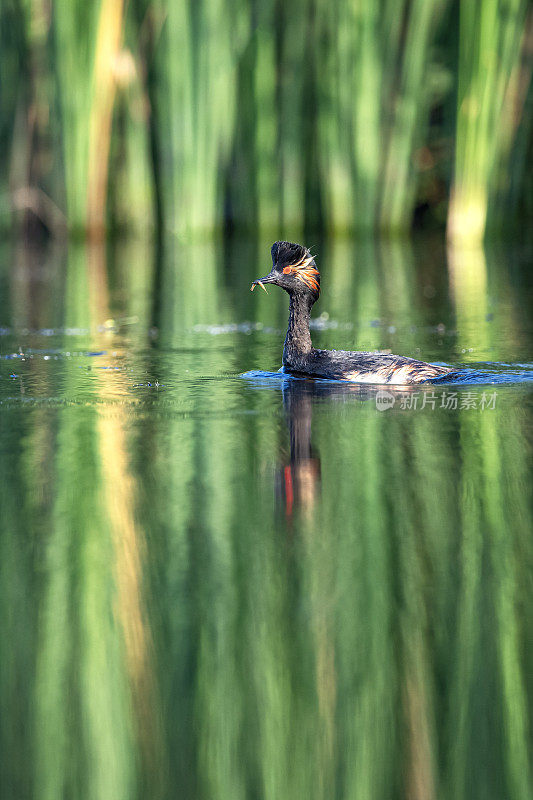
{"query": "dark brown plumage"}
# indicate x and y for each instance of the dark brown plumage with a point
(294, 269)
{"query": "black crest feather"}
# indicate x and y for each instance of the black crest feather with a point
(285, 253)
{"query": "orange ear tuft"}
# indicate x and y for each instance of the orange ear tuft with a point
(303, 270)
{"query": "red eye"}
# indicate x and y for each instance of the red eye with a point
(286, 270)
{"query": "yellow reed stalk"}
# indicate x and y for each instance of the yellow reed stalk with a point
(108, 40)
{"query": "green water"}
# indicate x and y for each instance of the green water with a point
(223, 587)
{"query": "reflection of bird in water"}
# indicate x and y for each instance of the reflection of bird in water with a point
(294, 269)
(300, 479)
(299, 488)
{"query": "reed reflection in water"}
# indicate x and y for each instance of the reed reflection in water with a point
(224, 588)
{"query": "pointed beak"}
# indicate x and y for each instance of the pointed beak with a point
(270, 278)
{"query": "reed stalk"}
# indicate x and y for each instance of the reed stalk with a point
(491, 50)
(108, 41)
(200, 44)
(75, 32)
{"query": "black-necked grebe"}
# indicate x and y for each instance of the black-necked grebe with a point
(294, 269)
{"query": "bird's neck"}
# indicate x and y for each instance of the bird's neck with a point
(298, 339)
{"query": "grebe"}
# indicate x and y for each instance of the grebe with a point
(294, 269)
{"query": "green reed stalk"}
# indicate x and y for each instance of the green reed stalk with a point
(294, 41)
(200, 48)
(367, 77)
(334, 128)
(75, 33)
(131, 200)
(490, 53)
(266, 136)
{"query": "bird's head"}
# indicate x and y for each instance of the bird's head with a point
(294, 269)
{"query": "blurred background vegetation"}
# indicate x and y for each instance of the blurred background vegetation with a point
(194, 116)
(171, 626)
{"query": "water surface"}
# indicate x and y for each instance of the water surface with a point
(217, 586)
